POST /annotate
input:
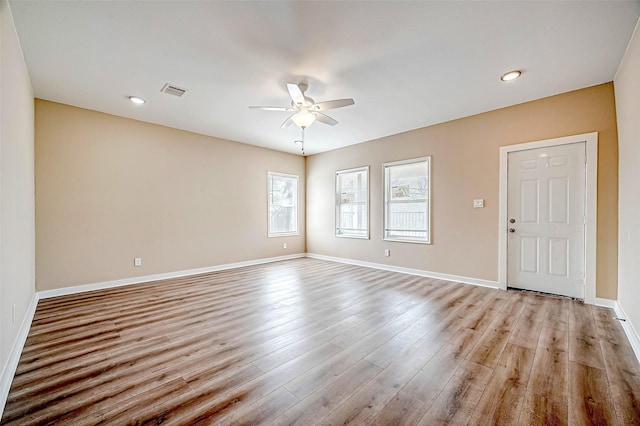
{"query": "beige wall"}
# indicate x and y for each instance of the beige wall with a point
(16, 193)
(465, 165)
(109, 189)
(627, 87)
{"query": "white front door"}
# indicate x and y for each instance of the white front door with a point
(546, 219)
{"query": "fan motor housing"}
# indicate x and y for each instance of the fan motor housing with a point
(308, 102)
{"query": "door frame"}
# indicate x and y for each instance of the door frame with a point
(591, 194)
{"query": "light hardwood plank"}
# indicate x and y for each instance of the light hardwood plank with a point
(623, 370)
(320, 403)
(540, 411)
(503, 397)
(584, 346)
(427, 384)
(456, 402)
(314, 342)
(266, 409)
(590, 402)
(555, 339)
(549, 375)
(367, 402)
(401, 410)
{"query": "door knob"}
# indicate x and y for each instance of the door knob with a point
(512, 230)
(512, 221)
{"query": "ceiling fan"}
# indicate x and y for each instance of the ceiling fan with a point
(305, 110)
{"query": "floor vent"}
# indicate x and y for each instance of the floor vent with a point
(173, 90)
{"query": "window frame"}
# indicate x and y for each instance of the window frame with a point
(386, 167)
(270, 176)
(339, 203)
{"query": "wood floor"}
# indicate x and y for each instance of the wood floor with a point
(313, 342)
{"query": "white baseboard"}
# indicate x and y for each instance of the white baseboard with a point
(11, 365)
(606, 303)
(410, 271)
(631, 332)
(45, 294)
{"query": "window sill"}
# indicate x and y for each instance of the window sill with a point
(357, 237)
(402, 240)
(288, 234)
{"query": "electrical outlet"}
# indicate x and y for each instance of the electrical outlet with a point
(478, 203)
(284, 245)
(137, 261)
(13, 314)
(387, 252)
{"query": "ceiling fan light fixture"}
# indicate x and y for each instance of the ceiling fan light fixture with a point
(303, 119)
(511, 75)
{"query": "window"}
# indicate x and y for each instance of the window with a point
(283, 204)
(352, 203)
(407, 196)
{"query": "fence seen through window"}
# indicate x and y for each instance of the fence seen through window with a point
(407, 200)
(283, 204)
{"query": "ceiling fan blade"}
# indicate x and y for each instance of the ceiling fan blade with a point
(338, 103)
(288, 122)
(323, 118)
(270, 108)
(295, 93)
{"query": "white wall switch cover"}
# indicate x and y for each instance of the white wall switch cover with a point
(478, 203)
(137, 261)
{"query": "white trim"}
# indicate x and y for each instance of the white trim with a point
(419, 272)
(636, 30)
(606, 303)
(631, 332)
(45, 294)
(353, 169)
(591, 140)
(24, 61)
(14, 355)
(338, 202)
(270, 234)
(386, 199)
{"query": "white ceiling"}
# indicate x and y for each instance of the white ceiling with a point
(407, 64)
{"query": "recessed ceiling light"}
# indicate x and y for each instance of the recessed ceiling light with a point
(136, 100)
(511, 75)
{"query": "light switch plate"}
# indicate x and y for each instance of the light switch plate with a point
(478, 203)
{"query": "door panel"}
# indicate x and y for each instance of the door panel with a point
(529, 206)
(546, 207)
(558, 257)
(558, 200)
(529, 253)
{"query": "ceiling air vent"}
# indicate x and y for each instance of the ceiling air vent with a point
(173, 90)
